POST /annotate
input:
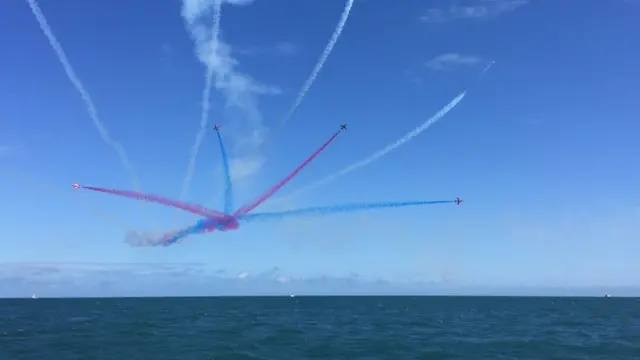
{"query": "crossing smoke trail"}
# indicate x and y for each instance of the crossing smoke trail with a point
(323, 58)
(192, 208)
(206, 97)
(389, 148)
(214, 220)
(329, 210)
(246, 208)
(201, 226)
(86, 98)
(228, 191)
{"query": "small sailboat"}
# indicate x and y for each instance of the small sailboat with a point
(33, 296)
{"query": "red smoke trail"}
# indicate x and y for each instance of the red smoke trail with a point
(246, 208)
(192, 208)
(215, 219)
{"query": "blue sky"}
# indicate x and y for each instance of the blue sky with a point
(543, 147)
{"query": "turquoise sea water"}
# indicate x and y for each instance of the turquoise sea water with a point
(300, 328)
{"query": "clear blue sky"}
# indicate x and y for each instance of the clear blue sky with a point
(544, 148)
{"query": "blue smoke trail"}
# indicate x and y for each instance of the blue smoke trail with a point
(228, 191)
(328, 210)
(197, 228)
(201, 225)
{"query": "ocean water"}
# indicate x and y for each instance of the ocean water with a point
(300, 328)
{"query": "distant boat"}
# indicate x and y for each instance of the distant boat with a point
(33, 296)
(291, 295)
(607, 295)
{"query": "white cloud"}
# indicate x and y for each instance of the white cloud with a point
(241, 168)
(413, 76)
(478, 9)
(283, 48)
(451, 60)
(241, 91)
(286, 48)
(192, 10)
(53, 279)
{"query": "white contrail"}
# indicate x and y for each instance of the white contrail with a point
(389, 148)
(323, 58)
(91, 109)
(206, 95)
(487, 67)
(378, 154)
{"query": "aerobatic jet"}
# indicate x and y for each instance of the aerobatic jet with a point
(343, 127)
(458, 201)
(75, 186)
(216, 127)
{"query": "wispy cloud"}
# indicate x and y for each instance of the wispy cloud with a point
(283, 48)
(241, 168)
(451, 61)
(140, 279)
(241, 91)
(286, 48)
(413, 76)
(55, 279)
(476, 9)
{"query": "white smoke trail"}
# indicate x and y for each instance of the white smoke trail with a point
(323, 58)
(91, 109)
(143, 238)
(487, 67)
(206, 97)
(389, 148)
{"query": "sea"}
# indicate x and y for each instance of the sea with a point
(298, 328)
